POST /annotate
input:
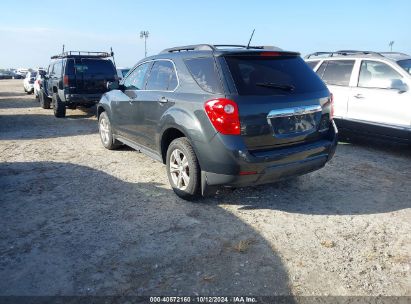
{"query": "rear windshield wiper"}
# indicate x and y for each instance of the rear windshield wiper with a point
(284, 87)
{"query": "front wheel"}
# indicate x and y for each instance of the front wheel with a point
(183, 169)
(44, 100)
(106, 132)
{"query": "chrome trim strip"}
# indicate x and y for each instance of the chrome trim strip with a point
(286, 112)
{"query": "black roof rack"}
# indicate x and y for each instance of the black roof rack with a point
(210, 47)
(343, 53)
(83, 54)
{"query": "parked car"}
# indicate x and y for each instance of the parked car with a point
(37, 82)
(76, 79)
(122, 72)
(5, 75)
(28, 82)
(371, 91)
(222, 115)
(22, 72)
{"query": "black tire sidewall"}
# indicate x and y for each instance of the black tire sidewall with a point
(58, 107)
(193, 189)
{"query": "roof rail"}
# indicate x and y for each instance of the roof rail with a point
(343, 53)
(83, 54)
(194, 47)
(210, 47)
(393, 53)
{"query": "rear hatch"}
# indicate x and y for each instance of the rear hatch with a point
(89, 75)
(281, 101)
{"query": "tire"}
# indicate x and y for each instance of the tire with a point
(177, 167)
(59, 107)
(106, 133)
(44, 100)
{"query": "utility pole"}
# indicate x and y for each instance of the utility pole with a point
(391, 44)
(144, 34)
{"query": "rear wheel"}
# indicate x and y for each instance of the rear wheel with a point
(59, 107)
(183, 169)
(106, 133)
(44, 100)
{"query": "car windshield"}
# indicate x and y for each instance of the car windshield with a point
(405, 64)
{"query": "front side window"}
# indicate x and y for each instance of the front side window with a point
(135, 80)
(374, 74)
(57, 69)
(338, 72)
(162, 76)
(405, 64)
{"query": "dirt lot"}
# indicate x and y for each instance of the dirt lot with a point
(77, 219)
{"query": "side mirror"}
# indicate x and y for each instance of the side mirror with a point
(398, 84)
(113, 85)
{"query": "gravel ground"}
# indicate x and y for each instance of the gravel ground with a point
(77, 219)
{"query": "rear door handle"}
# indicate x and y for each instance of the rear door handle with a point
(359, 96)
(163, 99)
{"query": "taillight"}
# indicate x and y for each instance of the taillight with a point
(223, 114)
(66, 81)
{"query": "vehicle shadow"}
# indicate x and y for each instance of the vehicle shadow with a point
(358, 180)
(13, 94)
(36, 126)
(74, 230)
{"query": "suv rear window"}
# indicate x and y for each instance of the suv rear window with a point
(257, 75)
(90, 66)
(204, 73)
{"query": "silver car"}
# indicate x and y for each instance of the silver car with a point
(372, 91)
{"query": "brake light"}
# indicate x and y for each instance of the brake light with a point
(66, 80)
(270, 54)
(223, 114)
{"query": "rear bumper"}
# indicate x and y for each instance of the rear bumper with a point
(271, 166)
(82, 98)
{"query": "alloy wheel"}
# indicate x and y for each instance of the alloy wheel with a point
(179, 169)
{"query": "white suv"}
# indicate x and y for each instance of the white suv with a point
(372, 91)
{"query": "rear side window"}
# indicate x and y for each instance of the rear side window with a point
(338, 72)
(57, 68)
(312, 64)
(204, 72)
(94, 67)
(256, 75)
(162, 76)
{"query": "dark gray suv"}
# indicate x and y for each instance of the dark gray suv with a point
(222, 115)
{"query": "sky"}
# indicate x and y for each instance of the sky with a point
(32, 31)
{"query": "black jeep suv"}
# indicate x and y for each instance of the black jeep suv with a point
(222, 115)
(76, 78)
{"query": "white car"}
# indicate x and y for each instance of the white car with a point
(37, 82)
(28, 82)
(372, 91)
